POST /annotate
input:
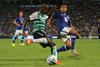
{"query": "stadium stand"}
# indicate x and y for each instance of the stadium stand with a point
(83, 15)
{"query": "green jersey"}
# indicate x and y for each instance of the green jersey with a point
(39, 21)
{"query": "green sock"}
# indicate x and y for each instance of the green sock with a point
(53, 51)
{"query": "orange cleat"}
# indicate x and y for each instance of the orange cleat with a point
(74, 52)
(29, 41)
(58, 62)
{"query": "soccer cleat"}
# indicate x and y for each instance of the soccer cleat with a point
(13, 44)
(58, 62)
(29, 41)
(22, 44)
(74, 52)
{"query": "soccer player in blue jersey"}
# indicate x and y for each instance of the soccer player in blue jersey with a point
(65, 29)
(19, 25)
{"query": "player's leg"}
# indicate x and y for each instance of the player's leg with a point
(69, 41)
(15, 37)
(40, 37)
(73, 40)
(39, 40)
(22, 40)
(52, 46)
(65, 37)
(44, 41)
(67, 45)
(53, 49)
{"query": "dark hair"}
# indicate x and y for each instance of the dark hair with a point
(43, 5)
(63, 4)
(20, 11)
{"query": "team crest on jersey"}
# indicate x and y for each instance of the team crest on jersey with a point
(65, 18)
(21, 21)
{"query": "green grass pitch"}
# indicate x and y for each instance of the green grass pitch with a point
(35, 56)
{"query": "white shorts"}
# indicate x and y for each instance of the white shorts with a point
(65, 30)
(64, 33)
(26, 32)
(68, 37)
(17, 32)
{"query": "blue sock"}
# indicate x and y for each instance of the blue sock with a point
(22, 40)
(63, 48)
(73, 39)
(14, 39)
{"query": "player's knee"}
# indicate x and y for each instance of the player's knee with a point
(63, 34)
(68, 43)
(52, 44)
(15, 37)
(72, 31)
(44, 40)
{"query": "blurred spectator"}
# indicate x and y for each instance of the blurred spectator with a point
(83, 16)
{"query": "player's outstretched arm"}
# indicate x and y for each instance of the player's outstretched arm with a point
(49, 25)
(52, 10)
(48, 22)
(71, 26)
(14, 22)
(79, 35)
(75, 31)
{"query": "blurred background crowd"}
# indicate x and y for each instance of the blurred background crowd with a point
(85, 14)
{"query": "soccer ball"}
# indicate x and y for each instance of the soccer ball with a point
(51, 60)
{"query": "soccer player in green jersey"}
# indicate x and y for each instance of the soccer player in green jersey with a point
(39, 19)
